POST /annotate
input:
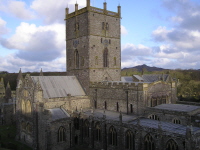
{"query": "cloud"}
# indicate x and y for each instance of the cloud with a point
(43, 43)
(54, 11)
(18, 9)
(3, 28)
(123, 30)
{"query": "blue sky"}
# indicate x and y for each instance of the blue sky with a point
(161, 33)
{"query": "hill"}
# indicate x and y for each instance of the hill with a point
(142, 67)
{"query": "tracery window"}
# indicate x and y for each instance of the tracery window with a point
(76, 59)
(98, 132)
(171, 145)
(112, 136)
(154, 117)
(149, 143)
(105, 58)
(23, 107)
(86, 128)
(130, 141)
(61, 134)
(28, 108)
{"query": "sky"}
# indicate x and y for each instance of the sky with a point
(161, 33)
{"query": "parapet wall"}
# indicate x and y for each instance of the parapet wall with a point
(117, 85)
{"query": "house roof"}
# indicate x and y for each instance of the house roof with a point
(58, 113)
(59, 86)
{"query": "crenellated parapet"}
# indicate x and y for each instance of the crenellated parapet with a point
(89, 8)
(117, 85)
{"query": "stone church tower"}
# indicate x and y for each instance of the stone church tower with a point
(93, 44)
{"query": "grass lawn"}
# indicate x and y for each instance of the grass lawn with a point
(7, 139)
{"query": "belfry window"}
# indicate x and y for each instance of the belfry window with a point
(130, 142)
(149, 143)
(76, 59)
(112, 136)
(105, 58)
(61, 134)
(98, 132)
(171, 145)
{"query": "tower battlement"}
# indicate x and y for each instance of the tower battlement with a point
(116, 84)
(89, 8)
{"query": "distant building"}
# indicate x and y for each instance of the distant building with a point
(93, 106)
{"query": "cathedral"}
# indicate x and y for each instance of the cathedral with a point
(93, 106)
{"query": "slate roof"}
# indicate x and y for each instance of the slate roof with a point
(144, 122)
(177, 107)
(59, 86)
(58, 113)
(147, 78)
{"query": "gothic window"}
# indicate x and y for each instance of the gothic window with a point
(117, 106)
(112, 136)
(176, 121)
(76, 123)
(23, 107)
(129, 139)
(86, 128)
(159, 100)
(98, 132)
(154, 117)
(149, 143)
(28, 108)
(105, 58)
(171, 145)
(61, 134)
(96, 60)
(76, 59)
(115, 61)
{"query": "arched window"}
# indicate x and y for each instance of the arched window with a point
(105, 58)
(61, 134)
(176, 121)
(149, 143)
(86, 128)
(76, 123)
(154, 117)
(98, 132)
(23, 107)
(76, 59)
(112, 136)
(171, 145)
(130, 141)
(115, 61)
(28, 108)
